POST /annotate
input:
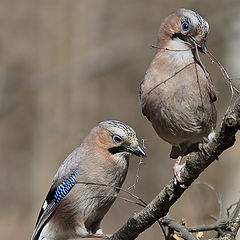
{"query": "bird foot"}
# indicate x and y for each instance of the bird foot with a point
(203, 146)
(104, 236)
(177, 168)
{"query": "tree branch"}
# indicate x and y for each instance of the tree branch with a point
(175, 225)
(208, 227)
(195, 164)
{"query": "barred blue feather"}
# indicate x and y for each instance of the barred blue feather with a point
(63, 189)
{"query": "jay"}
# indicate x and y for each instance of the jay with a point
(73, 210)
(177, 94)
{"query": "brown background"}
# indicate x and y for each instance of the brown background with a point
(65, 65)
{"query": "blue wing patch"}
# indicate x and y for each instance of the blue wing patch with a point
(63, 189)
(54, 196)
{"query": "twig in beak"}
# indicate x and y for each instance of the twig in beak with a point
(171, 50)
(224, 72)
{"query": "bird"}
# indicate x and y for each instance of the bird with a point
(87, 183)
(177, 94)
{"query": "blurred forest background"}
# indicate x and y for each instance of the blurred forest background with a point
(65, 65)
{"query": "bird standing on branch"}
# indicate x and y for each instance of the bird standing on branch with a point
(72, 209)
(177, 94)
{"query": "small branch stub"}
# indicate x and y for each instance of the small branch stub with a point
(231, 120)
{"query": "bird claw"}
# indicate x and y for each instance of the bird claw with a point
(99, 234)
(177, 168)
(203, 146)
(104, 236)
(99, 231)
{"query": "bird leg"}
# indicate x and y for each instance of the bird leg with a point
(177, 167)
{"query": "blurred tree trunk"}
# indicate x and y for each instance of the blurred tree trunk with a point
(66, 65)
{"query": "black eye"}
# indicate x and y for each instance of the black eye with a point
(185, 26)
(117, 139)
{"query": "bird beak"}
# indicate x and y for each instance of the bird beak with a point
(201, 45)
(137, 151)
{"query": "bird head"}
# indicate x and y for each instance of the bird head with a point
(120, 139)
(185, 26)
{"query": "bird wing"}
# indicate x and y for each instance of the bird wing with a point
(210, 86)
(212, 92)
(61, 186)
(142, 102)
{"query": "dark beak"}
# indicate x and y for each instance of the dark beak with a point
(137, 151)
(201, 45)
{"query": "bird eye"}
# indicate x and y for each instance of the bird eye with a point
(185, 26)
(117, 139)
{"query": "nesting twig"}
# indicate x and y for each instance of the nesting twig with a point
(137, 175)
(172, 50)
(115, 187)
(119, 197)
(224, 72)
(141, 161)
(170, 77)
(213, 60)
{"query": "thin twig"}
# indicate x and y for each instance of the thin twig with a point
(141, 161)
(115, 187)
(173, 224)
(235, 220)
(199, 86)
(219, 198)
(213, 60)
(207, 227)
(236, 211)
(171, 50)
(230, 207)
(142, 204)
(224, 72)
(200, 61)
(123, 198)
(170, 77)
(229, 226)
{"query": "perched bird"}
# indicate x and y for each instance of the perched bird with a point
(74, 206)
(177, 94)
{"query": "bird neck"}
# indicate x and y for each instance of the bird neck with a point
(176, 51)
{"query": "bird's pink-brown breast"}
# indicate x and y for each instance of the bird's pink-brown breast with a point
(180, 105)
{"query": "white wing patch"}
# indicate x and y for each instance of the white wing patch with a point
(45, 205)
